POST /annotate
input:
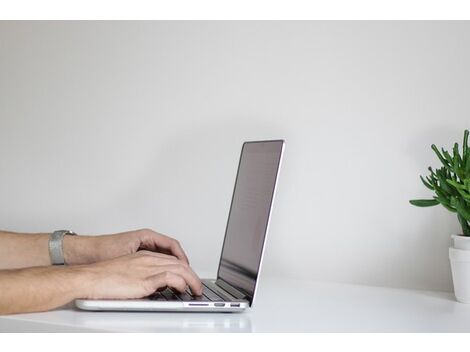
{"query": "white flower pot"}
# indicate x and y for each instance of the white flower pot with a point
(459, 255)
(461, 242)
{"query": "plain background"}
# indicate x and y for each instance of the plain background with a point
(110, 126)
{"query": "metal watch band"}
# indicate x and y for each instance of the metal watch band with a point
(56, 247)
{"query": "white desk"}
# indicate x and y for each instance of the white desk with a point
(317, 307)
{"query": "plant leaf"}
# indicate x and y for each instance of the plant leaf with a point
(467, 165)
(460, 207)
(426, 183)
(449, 208)
(465, 144)
(447, 156)
(424, 202)
(455, 184)
(441, 158)
(464, 194)
(457, 162)
(464, 224)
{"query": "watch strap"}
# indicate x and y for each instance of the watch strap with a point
(56, 246)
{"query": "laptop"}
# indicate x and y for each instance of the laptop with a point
(234, 288)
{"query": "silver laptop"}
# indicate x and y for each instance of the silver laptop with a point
(242, 252)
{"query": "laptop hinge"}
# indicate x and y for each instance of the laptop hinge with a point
(230, 289)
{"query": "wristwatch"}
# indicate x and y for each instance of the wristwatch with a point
(56, 246)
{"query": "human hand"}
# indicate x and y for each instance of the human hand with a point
(136, 275)
(92, 249)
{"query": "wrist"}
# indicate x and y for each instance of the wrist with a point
(81, 280)
(79, 249)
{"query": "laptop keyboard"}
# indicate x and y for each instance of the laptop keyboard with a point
(169, 294)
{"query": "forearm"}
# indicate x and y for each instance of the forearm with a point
(19, 250)
(40, 288)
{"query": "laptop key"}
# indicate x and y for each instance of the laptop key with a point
(169, 295)
(157, 296)
(216, 290)
(195, 298)
(212, 296)
(184, 296)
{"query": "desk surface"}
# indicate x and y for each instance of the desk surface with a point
(317, 307)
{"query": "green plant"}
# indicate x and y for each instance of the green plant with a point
(451, 183)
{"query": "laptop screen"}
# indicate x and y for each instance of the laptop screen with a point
(249, 215)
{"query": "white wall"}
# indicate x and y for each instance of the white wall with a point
(113, 126)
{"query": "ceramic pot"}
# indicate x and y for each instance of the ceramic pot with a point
(459, 255)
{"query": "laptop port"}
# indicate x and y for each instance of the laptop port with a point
(219, 304)
(234, 304)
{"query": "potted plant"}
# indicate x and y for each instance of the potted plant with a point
(451, 186)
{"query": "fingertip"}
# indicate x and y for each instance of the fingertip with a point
(200, 290)
(196, 291)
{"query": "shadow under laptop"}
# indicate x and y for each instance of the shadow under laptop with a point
(164, 322)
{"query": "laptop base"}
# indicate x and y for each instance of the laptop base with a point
(201, 304)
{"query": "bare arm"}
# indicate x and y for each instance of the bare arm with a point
(131, 276)
(18, 250)
(131, 264)
(38, 289)
(23, 250)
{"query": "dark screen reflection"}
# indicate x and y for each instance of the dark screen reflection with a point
(249, 213)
